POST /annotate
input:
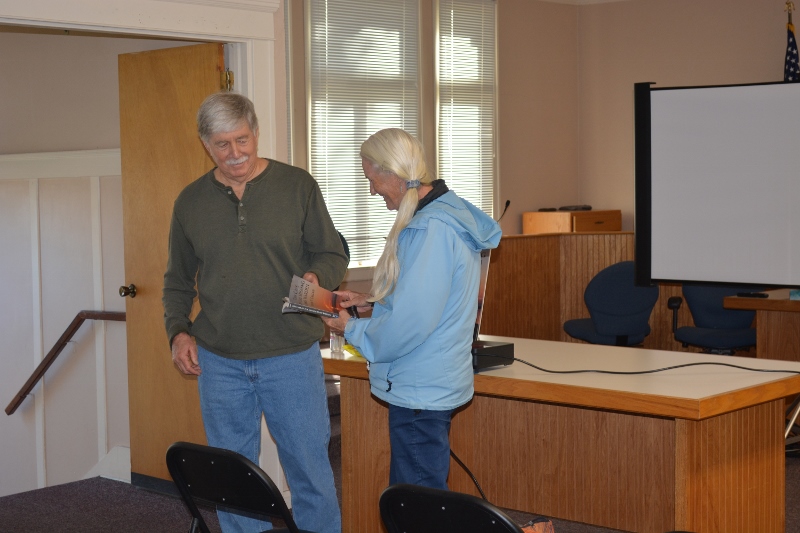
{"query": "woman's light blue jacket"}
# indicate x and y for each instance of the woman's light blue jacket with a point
(419, 341)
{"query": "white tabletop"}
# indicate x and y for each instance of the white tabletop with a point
(694, 392)
(694, 382)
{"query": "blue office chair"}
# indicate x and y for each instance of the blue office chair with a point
(716, 330)
(619, 310)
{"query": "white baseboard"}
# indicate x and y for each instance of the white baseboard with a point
(115, 465)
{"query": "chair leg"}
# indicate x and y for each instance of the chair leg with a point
(195, 527)
(795, 411)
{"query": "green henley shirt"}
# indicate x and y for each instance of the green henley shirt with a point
(241, 255)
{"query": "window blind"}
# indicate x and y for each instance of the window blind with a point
(363, 77)
(466, 111)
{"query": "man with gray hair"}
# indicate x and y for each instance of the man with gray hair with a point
(239, 233)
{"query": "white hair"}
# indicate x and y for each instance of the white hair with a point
(394, 152)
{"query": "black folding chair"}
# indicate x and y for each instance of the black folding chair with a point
(228, 479)
(415, 509)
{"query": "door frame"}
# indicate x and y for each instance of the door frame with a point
(247, 29)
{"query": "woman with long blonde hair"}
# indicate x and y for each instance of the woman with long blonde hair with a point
(424, 301)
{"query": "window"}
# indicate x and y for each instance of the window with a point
(364, 75)
(466, 74)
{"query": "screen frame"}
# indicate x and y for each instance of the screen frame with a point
(643, 179)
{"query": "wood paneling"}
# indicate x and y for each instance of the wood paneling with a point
(536, 283)
(365, 456)
(523, 289)
(598, 467)
(778, 335)
(733, 472)
(618, 470)
(777, 323)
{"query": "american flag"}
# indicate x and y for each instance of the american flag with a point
(791, 69)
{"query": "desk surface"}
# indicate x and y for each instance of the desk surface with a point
(694, 393)
(778, 300)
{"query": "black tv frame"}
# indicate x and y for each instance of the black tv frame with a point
(643, 187)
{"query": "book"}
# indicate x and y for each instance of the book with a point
(305, 297)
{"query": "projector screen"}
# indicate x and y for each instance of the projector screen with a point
(717, 184)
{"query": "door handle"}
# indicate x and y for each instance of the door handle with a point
(130, 290)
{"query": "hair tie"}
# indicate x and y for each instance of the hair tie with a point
(412, 184)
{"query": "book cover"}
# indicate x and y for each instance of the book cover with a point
(305, 297)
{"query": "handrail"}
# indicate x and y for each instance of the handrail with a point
(53, 353)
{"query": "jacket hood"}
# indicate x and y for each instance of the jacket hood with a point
(477, 229)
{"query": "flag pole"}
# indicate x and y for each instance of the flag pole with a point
(789, 9)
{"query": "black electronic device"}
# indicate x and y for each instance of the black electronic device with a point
(487, 354)
(583, 207)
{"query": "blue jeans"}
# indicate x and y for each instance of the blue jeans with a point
(420, 443)
(290, 391)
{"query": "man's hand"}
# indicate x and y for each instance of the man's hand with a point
(184, 354)
(311, 278)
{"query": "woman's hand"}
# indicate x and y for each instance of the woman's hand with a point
(337, 325)
(351, 298)
(346, 300)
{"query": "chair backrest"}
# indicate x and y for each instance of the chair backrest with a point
(226, 478)
(415, 509)
(617, 306)
(344, 244)
(705, 304)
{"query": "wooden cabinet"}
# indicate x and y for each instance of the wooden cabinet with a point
(571, 221)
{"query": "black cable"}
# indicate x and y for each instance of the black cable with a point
(587, 371)
(590, 371)
(474, 480)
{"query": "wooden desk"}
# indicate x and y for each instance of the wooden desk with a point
(777, 324)
(699, 448)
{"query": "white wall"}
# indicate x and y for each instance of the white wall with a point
(670, 43)
(61, 236)
(17, 434)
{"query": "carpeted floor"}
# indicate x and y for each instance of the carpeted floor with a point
(96, 505)
(100, 505)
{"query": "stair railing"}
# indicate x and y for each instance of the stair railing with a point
(57, 348)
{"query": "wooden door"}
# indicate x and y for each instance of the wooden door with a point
(159, 93)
